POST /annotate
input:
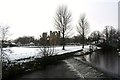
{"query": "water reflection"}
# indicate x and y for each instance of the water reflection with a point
(106, 61)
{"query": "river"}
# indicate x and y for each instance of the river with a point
(107, 61)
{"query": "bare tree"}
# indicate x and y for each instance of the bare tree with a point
(95, 36)
(3, 35)
(83, 27)
(62, 22)
(109, 33)
(47, 51)
(4, 32)
(110, 37)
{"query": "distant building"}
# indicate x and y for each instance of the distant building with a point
(55, 37)
(52, 39)
(31, 44)
(43, 39)
(44, 35)
(8, 44)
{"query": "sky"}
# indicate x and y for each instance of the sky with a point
(33, 17)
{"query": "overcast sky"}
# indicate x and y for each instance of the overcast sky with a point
(32, 17)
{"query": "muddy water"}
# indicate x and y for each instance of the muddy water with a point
(108, 61)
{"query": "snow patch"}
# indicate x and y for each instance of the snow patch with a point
(25, 52)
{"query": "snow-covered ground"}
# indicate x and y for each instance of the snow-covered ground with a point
(15, 53)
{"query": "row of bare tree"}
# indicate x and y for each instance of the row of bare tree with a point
(109, 35)
(62, 23)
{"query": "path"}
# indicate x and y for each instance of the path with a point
(60, 70)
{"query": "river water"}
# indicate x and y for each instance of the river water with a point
(108, 61)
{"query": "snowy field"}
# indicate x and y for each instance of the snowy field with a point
(15, 53)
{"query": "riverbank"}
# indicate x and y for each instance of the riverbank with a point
(65, 69)
(84, 70)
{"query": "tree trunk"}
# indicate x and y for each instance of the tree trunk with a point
(63, 44)
(63, 39)
(83, 40)
(63, 47)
